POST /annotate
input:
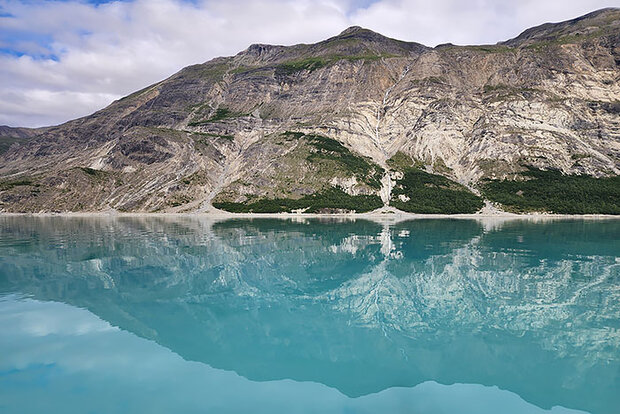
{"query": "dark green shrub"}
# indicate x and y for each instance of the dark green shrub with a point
(433, 194)
(554, 192)
(330, 199)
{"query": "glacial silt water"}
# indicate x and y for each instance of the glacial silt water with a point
(191, 315)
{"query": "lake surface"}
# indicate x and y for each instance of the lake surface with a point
(159, 315)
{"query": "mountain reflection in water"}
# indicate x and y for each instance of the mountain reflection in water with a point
(531, 307)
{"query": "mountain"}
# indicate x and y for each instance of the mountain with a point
(355, 122)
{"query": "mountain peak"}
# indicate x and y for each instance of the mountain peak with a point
(353, 30)
(359, 40)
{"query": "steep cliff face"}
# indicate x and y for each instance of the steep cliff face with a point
(236, 129)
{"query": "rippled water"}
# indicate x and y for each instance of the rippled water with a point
(154, 315)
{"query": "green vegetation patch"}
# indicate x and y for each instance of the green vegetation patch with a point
(6, 142)
(313, 63)
(291, 135)
(8, 185)
(93, 172)
(328, 200)
(401, 162)
(219, 115)
(491, 48)
(310, 64)
(101, 176)
(213, 71)
(554, 192)
(222, 113)
(429, 193)
(433, 194)
(327, 149)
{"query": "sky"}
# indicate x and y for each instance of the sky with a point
(63, 59)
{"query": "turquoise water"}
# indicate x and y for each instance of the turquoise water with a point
(155, 315)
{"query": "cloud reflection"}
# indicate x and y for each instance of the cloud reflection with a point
(109, 370)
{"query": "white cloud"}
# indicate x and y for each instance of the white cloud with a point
(104, 52)
(468, 22)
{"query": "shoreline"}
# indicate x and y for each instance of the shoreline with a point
(381, 216)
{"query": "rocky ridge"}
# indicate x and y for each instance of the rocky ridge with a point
(287, 122)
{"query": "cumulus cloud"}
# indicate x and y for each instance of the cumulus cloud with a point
(64, 59)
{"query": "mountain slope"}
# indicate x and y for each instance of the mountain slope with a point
(235, 129)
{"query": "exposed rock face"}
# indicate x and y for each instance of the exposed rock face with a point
(548, 98)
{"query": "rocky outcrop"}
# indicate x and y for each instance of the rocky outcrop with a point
(547, 99)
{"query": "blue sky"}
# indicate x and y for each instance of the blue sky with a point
(67, 58)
